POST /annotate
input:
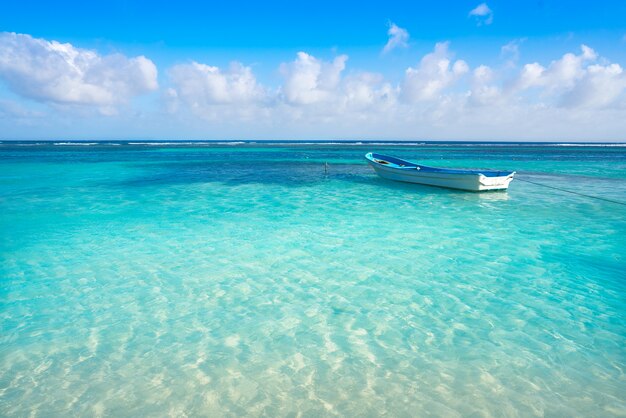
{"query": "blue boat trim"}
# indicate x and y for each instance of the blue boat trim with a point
(398, 163)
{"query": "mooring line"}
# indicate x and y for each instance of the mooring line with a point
(573, 192)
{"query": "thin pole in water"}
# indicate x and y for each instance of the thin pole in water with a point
(325, 168)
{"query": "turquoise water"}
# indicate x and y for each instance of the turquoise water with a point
(243, 280)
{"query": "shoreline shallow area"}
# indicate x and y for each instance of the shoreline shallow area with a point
(245, 279)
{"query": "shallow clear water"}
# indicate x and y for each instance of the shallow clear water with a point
(244, 280)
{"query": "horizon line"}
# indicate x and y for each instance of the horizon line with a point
(321, 141)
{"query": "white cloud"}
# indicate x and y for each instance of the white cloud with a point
(530, 76)
(600, 87)
(368, 91)
(435, 73)
(202, 85)
(213, 93)
(574, 81)
(52, 72)
(561, 75)
(548, 102)
(314, 92)
(398, 37)
(309, 80)
(564, 73)
(483, 89)
(483, 14)
(578, 95)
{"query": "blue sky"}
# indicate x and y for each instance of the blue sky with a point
(500, 70)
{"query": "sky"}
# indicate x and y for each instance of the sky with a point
(502, 70)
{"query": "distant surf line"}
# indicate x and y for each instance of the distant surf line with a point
(183, 143)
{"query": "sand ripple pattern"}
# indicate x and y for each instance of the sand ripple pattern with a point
(151, 283)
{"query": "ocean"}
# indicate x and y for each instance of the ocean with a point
(250, 279)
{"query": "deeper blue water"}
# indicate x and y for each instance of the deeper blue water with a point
(244, 280)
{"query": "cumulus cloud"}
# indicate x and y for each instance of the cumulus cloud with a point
(435, 73)
(398, 37)
(202, 85)
(600, 87)
(561, 74)
(440, 97)
(368, 91)
(316, 92)
(448, 98)
(212, 92)
(53, 72)
(574, 80)
(483, 14)
(483, 90)
(309, 80)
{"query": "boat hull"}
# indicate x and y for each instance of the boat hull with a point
(474, 182)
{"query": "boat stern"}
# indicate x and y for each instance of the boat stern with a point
(494, 183)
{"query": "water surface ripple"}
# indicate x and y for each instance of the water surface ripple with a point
(245, 281)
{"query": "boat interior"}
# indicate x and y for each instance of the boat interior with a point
(398, 163)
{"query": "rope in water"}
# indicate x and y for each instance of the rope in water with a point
(573, 192)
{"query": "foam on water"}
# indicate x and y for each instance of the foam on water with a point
(246, 282)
